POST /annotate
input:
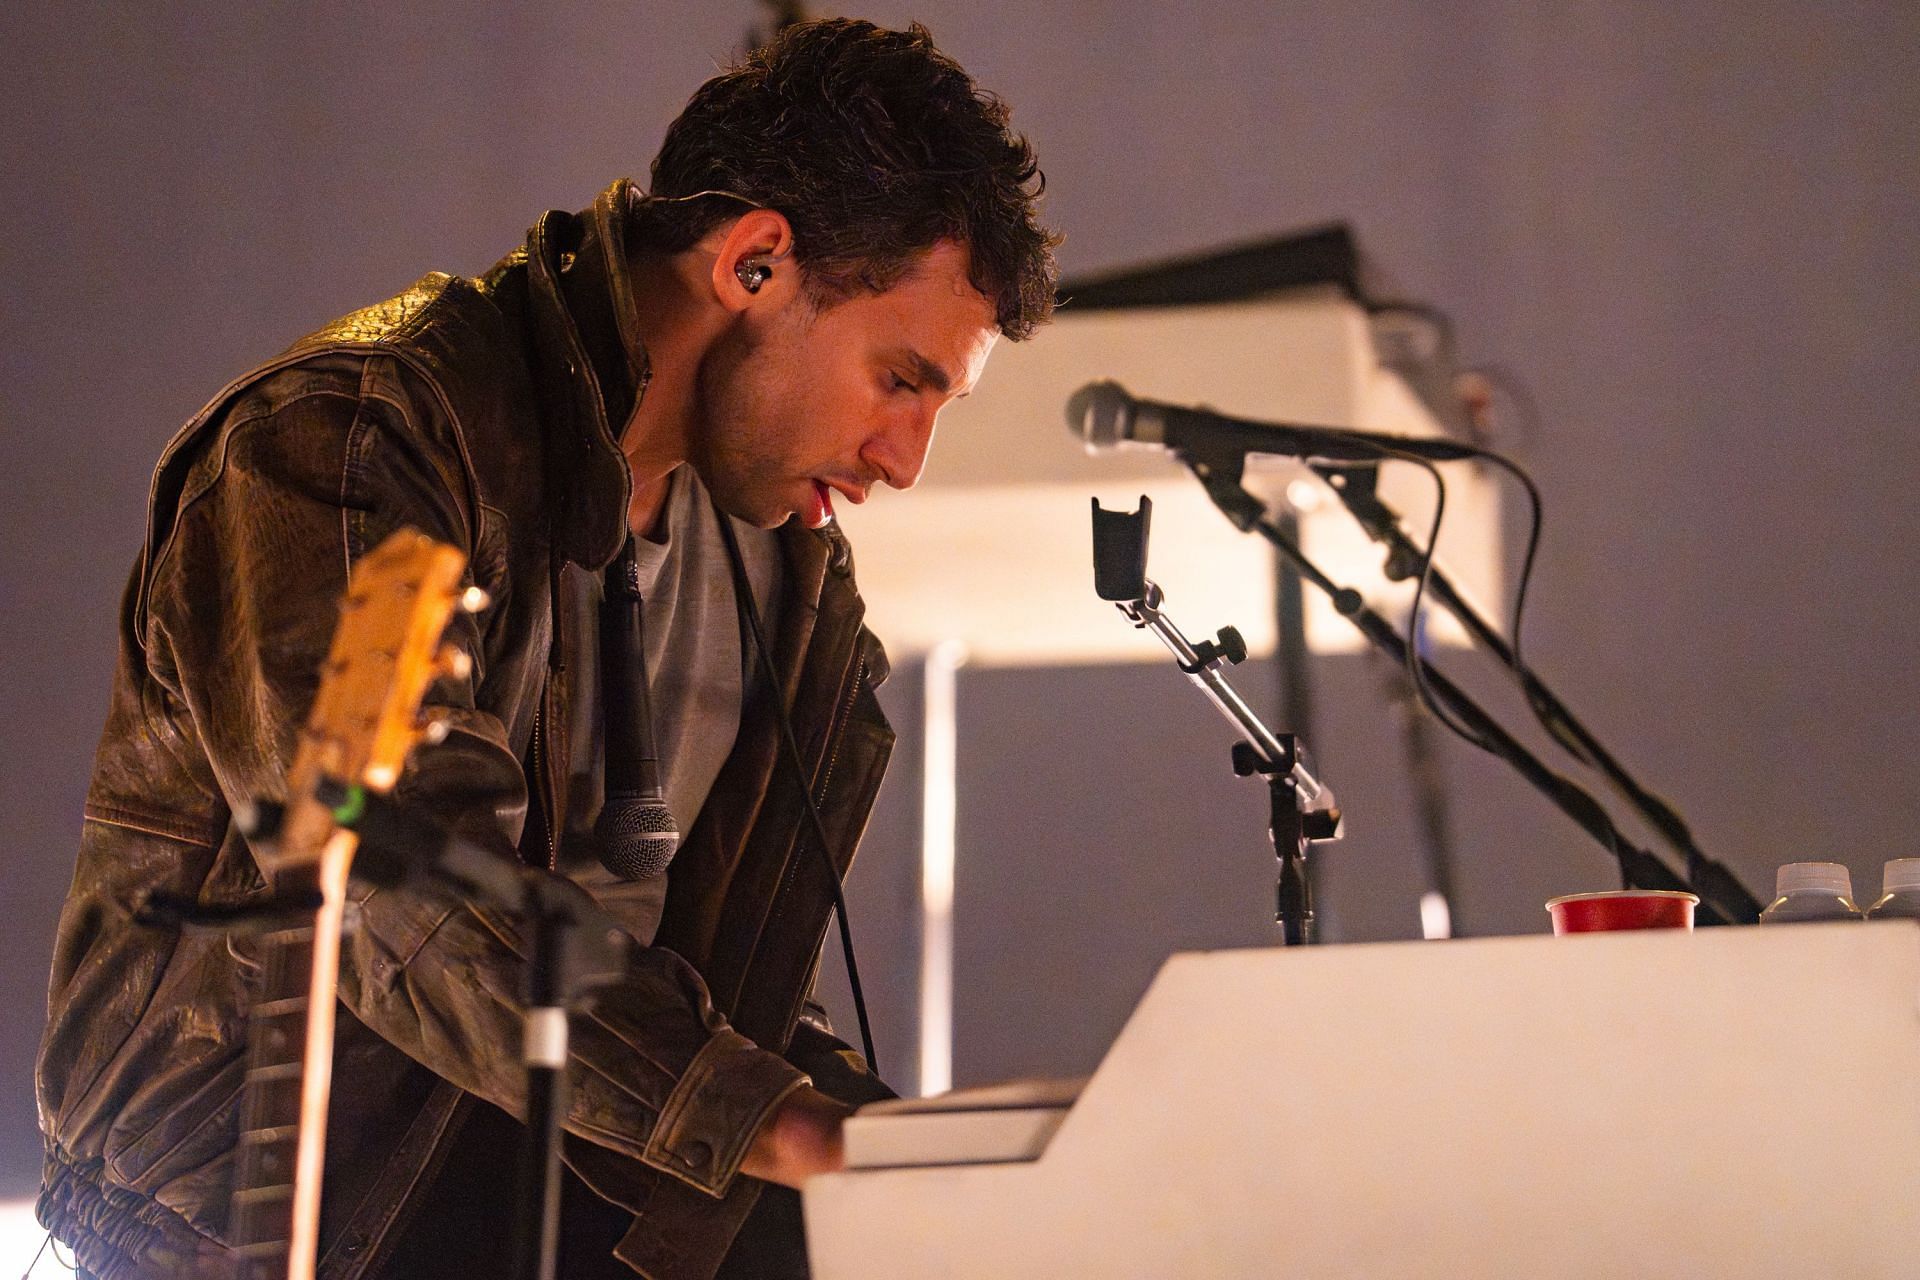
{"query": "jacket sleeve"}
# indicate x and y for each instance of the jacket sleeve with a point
(305, 472)
(836, 1068)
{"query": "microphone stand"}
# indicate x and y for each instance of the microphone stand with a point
(1292, 791)
(1290, 659)
(1301, 809)
(1639, 869)
(1355, 486)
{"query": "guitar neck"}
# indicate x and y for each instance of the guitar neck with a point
(276, 1199)
(262, 1226)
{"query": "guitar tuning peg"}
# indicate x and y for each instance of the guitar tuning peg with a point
(453, 661)
(434, 729)
(474, 599)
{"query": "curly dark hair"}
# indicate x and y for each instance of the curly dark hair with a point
(875, 146)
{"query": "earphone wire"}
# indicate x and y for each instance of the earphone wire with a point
(754, 271)
(645, 197)
(743, 590)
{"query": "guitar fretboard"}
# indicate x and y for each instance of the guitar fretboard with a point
(270, 1112)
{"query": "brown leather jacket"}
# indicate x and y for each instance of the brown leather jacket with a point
(477, 411)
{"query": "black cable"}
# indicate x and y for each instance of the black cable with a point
(1635, 864)
(1504, 379)
(1536, 519)
(1707, 877)
(743, 588)
(1522, 674)
(1416, 665)
(1538, 704)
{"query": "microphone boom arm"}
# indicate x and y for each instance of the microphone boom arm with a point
(1201, 665)
(1728, 900)
(1710, 879)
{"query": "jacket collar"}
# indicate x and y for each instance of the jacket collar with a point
(590, 368)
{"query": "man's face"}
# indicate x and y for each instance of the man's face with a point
(796, 405)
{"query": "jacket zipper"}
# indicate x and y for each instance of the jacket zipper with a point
(846, 713)
(540, 782)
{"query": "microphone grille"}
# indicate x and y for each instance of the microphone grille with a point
(1101, 414)
(638, 838)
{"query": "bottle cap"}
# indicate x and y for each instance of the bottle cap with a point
(1814, 877)
(1901, 874)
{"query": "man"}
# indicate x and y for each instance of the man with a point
(837, 231)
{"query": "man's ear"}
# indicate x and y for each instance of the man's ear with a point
(754, 260)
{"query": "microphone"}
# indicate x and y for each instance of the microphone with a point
(1106, 416)
(635, 830)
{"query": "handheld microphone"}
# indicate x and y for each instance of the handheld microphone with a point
(636, 831)
(1106, 416)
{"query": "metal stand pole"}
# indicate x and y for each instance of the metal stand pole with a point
(536, 1228)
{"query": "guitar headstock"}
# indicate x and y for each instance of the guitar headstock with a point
(386, 652)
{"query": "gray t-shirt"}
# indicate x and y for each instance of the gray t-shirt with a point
(698, 678)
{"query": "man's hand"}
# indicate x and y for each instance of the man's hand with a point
(801, 1138)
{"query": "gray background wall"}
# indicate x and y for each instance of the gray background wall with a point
(1689, 227)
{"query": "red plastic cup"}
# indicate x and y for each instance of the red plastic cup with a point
(1622, 909)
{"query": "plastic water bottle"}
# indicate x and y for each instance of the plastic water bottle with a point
(1899, 892)
(1807, 892)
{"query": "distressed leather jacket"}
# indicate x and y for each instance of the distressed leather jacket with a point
(478, 411)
